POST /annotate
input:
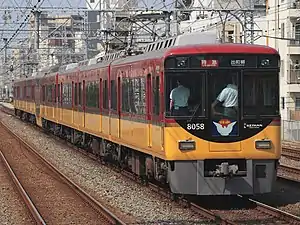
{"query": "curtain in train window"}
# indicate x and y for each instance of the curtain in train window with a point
(261, 94)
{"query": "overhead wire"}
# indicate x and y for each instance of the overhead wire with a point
(34, 8)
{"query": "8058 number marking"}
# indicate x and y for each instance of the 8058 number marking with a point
(195, 126)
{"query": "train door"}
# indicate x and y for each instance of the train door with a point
(37, 100)
(100, 104)
(149, 109)
(119, 106)
(82, 102)
(76, 102)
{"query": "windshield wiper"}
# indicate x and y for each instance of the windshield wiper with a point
(192, 117)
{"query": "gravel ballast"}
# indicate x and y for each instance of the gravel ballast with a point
(12, 206)
(105, 185)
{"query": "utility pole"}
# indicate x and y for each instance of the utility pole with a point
(37, 35)
(5, 50)
(176, 18)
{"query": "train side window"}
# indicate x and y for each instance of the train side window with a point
(53, 93)
(155, 99)
(28, 90)
(58, 93)
(105, 95)
(32, 92)
(24, 92)
(139, 95)
(49, 93)
(79, 93)
(113, 94)
(92, 94)
(43, 93)
(76, 94)
(65, 94)
(125, 95)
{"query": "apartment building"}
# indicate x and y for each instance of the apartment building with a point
(283, 19)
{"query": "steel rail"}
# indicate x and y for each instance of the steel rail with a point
(292, 219)
(33, 210)
(290, 169)
(110, 217)
(291, 153)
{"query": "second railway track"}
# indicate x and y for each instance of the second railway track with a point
(291, 153)
(51, 197)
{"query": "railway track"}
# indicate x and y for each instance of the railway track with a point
(269, 215)
(291, 153)
(289, 173)
(43, 201)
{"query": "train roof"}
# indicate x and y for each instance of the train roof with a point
(199, 49)
(230, 48)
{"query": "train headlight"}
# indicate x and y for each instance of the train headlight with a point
(187, 145)
(263, 144)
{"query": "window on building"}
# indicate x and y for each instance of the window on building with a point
(92, 1)
(297, 103)
(282, 68)
(297, 31)
(282, 103)
(282, 30)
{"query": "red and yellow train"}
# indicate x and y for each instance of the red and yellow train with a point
(119, 109)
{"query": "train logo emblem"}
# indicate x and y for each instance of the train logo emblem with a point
(224, 126)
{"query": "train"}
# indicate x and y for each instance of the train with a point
(118, 108)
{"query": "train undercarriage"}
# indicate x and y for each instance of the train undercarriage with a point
(146, 167)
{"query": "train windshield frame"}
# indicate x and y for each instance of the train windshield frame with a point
(260, 93)
(257, 87)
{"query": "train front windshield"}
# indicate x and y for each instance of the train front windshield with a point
(222, 93)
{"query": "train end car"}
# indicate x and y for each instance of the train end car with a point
(227, 140)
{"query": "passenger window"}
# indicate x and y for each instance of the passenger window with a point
(155, 98)
(105, 95)
(75, 94)
(261, 93)
(92, 94)
(224, 102)
(187, 92)
(113, 94)
(79, 94)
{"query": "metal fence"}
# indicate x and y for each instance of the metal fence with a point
(290, 130)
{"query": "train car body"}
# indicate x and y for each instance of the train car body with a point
(119, 110)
